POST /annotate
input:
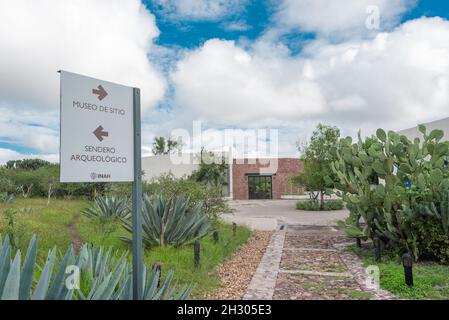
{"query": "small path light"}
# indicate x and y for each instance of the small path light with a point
(378, 249)
(158, 268)
(359, 242)
(215, 235)
(234, 229)
(196, 253)
(407, 262)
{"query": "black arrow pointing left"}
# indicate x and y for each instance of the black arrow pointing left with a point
(100, 133)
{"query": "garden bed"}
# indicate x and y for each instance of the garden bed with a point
(431, 280)
(56, 225)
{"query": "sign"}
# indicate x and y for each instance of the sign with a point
(101, 142)
(97, 137)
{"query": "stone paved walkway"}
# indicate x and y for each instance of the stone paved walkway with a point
(264, 280)
(310, 263)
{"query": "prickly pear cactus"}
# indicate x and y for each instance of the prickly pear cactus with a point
(381, 177)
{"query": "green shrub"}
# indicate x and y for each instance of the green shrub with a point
(42, 180)
(334, 205)
(329, 205)
(170, 221)
(6, 197)
(7, 186)
(120, 189)
(432, 244)
(308, 205)
(13, 230)
(210, 197)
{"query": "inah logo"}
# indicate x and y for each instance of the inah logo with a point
(93, 176)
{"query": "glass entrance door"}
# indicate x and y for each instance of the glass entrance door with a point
(260, 187)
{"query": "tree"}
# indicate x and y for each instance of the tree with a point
(317, 156)
(7, 184)
(210, 172)
(158, 146)
(162, 145)
(25, 181)
(48, 180)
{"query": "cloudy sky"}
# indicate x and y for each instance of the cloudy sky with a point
(240, 64)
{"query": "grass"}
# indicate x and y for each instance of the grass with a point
(178, 259)
(319, 288)
(52, 227)
(431, 280)
(50, 224)
(354, 294)
(332, 268)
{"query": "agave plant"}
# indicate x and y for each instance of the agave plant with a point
(170, 221)
(103, 276)
(108, 208)
(16, 280)
(108, 276)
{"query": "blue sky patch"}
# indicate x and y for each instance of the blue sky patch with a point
(16, 147)
(429, 8)
(254, 21)
(189, 34)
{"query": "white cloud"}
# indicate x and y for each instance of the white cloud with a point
(341, 18)
(200, 9)
(392, 79)
(395, 80)
(30, 128)
(108, 39)
(7, 155)
(398, 79)
(223, 83)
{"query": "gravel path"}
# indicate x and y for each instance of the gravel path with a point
(237, 271)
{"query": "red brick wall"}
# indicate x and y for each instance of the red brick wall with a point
(286, 168)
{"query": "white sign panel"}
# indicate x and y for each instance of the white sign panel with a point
(96, 130)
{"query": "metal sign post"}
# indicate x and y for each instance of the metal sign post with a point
(137, 202)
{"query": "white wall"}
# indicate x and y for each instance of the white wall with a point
(155, 166)
(442, 124)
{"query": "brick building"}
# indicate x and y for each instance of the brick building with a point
(247, 179)
(263, 178)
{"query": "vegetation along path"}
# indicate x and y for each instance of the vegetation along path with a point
(75, 237)
(310, 263)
